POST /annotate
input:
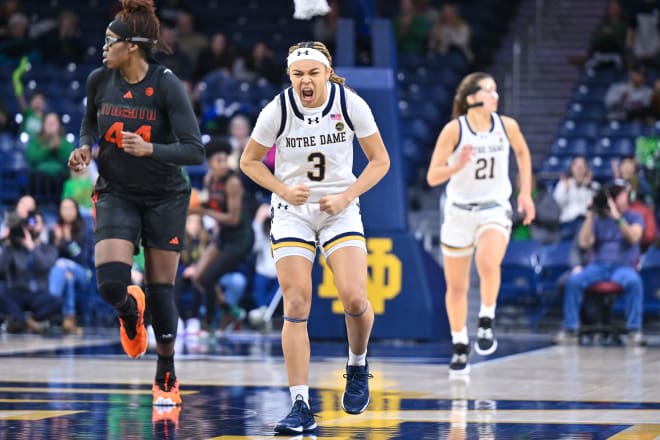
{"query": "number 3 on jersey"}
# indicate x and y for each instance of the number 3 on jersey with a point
(113, 134)
(318, 162)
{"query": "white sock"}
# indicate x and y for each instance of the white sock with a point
(357, 359)
(460, 337)
(299, 390)
(487, 311)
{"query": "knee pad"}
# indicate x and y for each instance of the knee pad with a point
(164, 315)
(112, 280)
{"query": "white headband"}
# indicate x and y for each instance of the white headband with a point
(307, 53)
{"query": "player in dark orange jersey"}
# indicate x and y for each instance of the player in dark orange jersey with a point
(140, 115)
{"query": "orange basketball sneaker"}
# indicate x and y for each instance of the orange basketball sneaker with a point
(137, 346)
(166, 393)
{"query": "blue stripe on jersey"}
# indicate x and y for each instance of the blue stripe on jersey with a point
(328, 107)
(294, 107)
(283, 108)
(342, 99)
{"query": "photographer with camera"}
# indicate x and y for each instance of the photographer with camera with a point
(611, 232)
(25, 263)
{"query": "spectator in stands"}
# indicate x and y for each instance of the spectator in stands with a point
(545, 227)
(191, 42)
(174, 58)
(472, 153)
(71, 274)
(639, 190)
(410, 29)
(17, 44)
(643, 36)
(47, 155)
(608, 40)
(240, 128)
(264, 283)
(573, 193)
(324, 27)
(219, 55)
(32, 114)
(629, 100)
(613, 232)
(79, 187)
(195, 241)
(258, 64)
(451, 32)
(25, 263)
(7, 120)
(233, 237)
(654, 103)
(7, 9)
(63, 44)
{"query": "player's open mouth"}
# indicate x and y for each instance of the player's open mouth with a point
(307, 95)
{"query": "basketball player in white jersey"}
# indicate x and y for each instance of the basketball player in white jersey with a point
(315, 203)
(472, 152)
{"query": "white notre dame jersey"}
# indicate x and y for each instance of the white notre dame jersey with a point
(315, 145)
(486, 177)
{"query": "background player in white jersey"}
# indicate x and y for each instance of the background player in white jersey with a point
(315, 202)
(472, 152)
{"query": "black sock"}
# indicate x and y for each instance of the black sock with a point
(165, 365)
(127, 311)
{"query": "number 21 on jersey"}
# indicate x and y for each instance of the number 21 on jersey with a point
(113, 134)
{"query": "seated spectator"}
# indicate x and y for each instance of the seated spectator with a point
(7, 9)
(258, 64)
(79, 187)
(573, 193)
(219, 55)
(195, 240)
(629, 100)
(654, 103)
(264, 284)
(410, 29)
(47, 156)
(643, 37)
(25, 262)
(639, 188)
(545, 227)
(69, 279)
(32, 113)
(191, 42)
(175, 59)
(63, 44)
(612, 232)
(608, 40)
(17, 44)
(233, 238)
(450, 31)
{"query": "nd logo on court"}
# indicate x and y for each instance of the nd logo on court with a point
(383, 280)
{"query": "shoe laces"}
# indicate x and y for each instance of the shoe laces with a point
(457, 358)
(300, 409)
(355, 376)
(168, 383)
(484, 333)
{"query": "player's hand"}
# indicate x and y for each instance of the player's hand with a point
(526, 206)
(134, 145)
(80, 158)
(296, 194)
(334, 203)
(465, 156)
